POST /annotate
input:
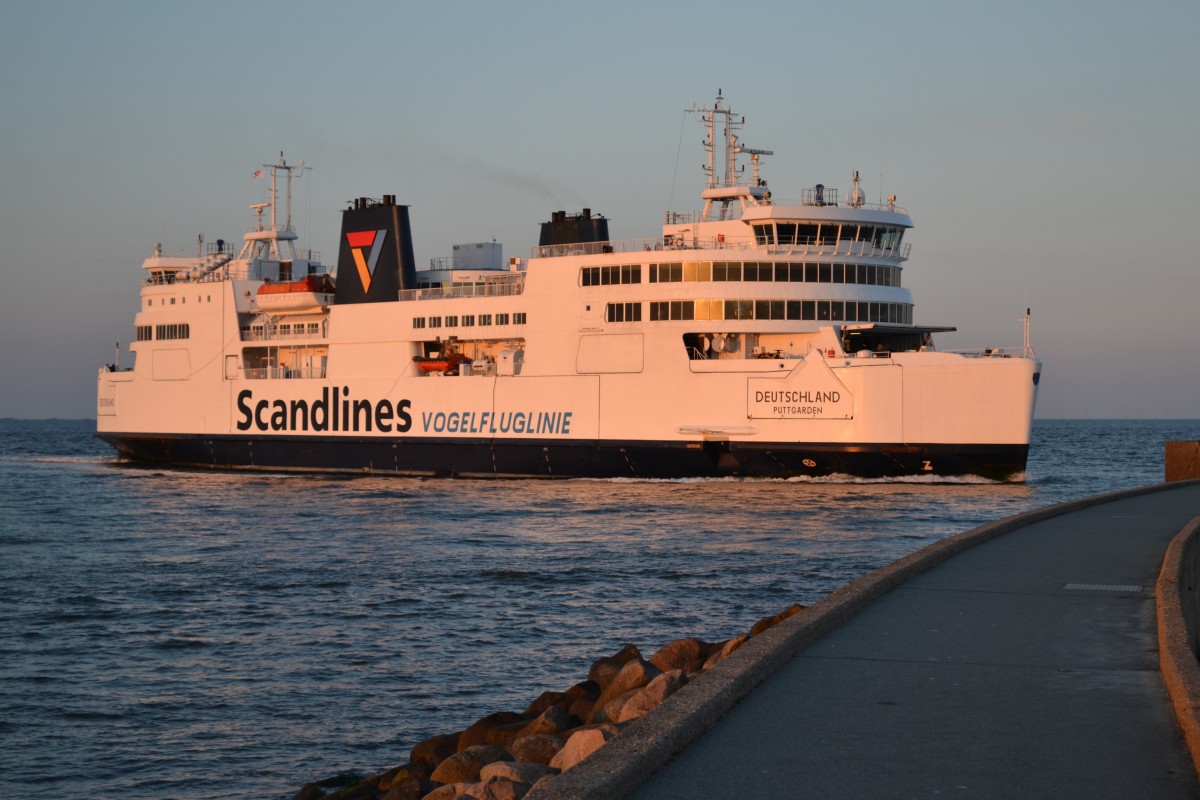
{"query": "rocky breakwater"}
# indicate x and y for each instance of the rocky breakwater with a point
(503, 755)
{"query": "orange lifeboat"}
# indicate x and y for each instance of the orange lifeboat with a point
(311, 291)
(446, 363)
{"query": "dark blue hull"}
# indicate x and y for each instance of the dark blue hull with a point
(556, 458)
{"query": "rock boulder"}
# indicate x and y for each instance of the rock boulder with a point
(649, 697)
(411, 788)
(516, 771)
(554, 720)
(685, 654)
(544, 701)
(582, 698)
(435, 749)
(603, 669)
(581, 745)
(493, 729)
(721, 653)
(769, 622)
(634, 674)
(536, 749)
(499, 788)
(464, 766)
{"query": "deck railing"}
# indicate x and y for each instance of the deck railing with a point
(735, 210)
(268, 335)
(856, 248)
(282, 373)
(506, 286)
(993, 352)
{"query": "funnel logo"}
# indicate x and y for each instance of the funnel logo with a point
(370, 243)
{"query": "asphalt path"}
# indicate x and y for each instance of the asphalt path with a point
(1017, 660)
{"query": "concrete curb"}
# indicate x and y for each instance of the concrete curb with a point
(1176, 659)
(618, 767)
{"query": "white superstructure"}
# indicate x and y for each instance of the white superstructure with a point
(755, 337)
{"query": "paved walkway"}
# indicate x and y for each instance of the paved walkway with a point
(1024, 667)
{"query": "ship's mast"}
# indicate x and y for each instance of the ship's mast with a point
(728, 189)
(274, 242)
(291, 172)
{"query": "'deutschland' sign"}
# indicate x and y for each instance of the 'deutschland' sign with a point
(810, 391)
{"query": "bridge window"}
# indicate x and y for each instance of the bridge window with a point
(806, 233)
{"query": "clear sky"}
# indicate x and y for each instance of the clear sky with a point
(1046, 151)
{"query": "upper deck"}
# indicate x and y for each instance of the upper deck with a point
(790, 242)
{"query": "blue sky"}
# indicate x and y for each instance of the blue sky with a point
(1047, 152)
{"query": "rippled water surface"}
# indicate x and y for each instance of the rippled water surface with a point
(207, 635)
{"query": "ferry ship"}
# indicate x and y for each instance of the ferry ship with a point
(754, 337)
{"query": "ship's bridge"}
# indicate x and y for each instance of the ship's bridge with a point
(869, 214)
(866, 232)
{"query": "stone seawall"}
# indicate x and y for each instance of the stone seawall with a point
(503, 755)
(1177, 602)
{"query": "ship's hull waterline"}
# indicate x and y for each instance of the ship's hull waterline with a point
(556, 459)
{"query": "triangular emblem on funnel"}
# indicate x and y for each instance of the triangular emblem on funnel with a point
(359, 242)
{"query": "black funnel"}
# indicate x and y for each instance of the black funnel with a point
(375, 259)
(564, 228)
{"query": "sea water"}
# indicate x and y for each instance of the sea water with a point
(184, 634)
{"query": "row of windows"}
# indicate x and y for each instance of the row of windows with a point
(881, 237)
(143, 333)
(469, 320)
(179, 331)
(605, 276)
(310, 328)
(725, 271)
(199, 299)
(823, 310)
(287, 329)
(824, 272)
(623, 312)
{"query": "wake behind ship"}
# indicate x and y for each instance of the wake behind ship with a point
(754, 337)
